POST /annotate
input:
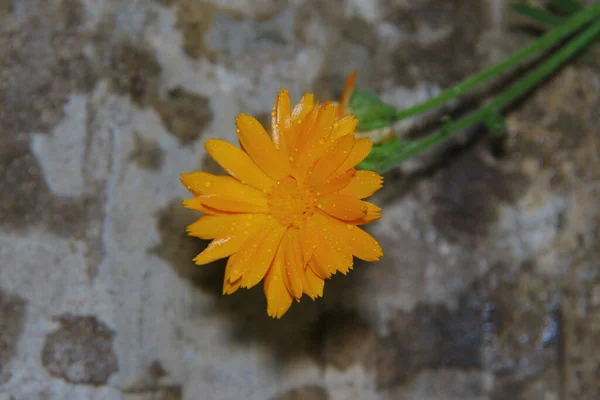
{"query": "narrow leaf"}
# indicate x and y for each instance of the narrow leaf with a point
(567, 6)
(538, 15)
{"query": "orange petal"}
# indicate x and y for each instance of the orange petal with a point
(307, 241)
(362, 244)
(212, 226)
(336, 183)
(343, 207)
(299, 120)
(312, 284)
(306, 104)
(232, 203)
(318, 140)
(373, 214)
(344, 126)
(262, 259)
(332, 158)
(294, 266)
(278, 297)
(260, 148)
(196, 205)
(364, 184)
(280, 122)
(227, 245)
(238, 164)
(229, 287)
(318, 269)
(301, 133)
(203, 183)
(339, 254)
(359, 152)
(250, 252)
(346, 94)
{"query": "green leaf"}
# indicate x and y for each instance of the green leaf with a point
(382, 151)
(371, 112)
(538, 15)
(494, 122)
(567, 6)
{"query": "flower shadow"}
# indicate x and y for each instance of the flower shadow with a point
(298, 334)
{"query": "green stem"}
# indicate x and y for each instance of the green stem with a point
(571, 25)
(522, 87)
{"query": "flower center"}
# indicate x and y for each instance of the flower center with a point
(291, 202)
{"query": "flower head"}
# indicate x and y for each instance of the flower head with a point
(289, 213)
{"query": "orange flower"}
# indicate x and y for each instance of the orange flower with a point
(289, 212)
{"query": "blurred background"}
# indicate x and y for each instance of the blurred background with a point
(489, 288)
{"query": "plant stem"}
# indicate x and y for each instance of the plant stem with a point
(570, 26)
(506, 98)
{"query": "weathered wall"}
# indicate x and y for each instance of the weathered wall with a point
(490, 285)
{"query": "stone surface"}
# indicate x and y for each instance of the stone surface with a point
(489, 288)
(80, 351)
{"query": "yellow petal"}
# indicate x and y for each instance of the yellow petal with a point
(364, 184)
(249, 253)
(332, 158)
(263, 259)
(343, 207)
(260, 148)
(280, 122)
(278, 297)
(212, 226)
(362, 244)
(312, 284)
(232, 203)
(343, 127)
(294, 266)
(227, 245)
(359, 152)
(238, 164)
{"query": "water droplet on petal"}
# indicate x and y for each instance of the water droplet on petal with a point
(208, 184)
(349, 226)
(321, 141)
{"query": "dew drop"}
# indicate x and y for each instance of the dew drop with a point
(318, 193)
(273, 113)
(208, 184)
(349, 226)
(299, 121)
(321, 141)
(291, 158)
(237, 130)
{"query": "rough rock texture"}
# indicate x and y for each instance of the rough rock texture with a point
(490, 284)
